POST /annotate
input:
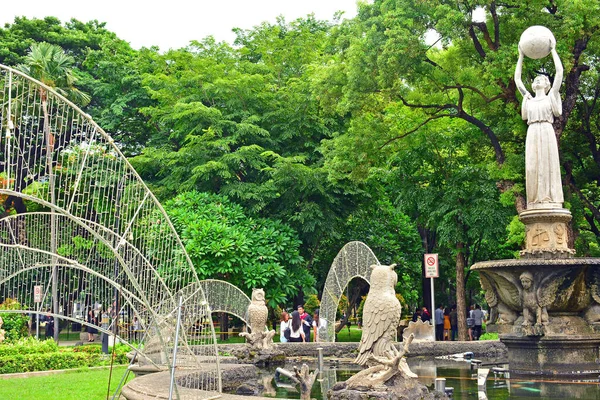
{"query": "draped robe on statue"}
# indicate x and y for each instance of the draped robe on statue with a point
(542, 168)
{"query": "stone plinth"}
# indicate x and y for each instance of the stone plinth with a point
(554, 356)
(547, 233)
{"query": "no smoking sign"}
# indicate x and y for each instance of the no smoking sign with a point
(431, 266)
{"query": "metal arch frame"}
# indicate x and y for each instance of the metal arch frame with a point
(65, 118)
(335, 285)
(86, 225)
(115, 148)
(97, 236)
(216, 307)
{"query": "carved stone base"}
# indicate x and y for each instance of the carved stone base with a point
(397, 388)
(553, 356)
(546, 233)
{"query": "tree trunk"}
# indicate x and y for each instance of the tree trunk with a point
(224, 326)
(461, 305)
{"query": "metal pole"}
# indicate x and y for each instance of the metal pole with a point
(320, 358)
(432, 304)
(175, 348)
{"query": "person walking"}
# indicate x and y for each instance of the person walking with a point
(92, 324)
(447, 323)
(454, 322)
(477, 321)
(439, 323)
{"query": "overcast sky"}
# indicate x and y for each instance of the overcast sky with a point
(173, 23)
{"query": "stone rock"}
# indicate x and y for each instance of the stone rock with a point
(247, 389)
(397, 388)
(260, 358)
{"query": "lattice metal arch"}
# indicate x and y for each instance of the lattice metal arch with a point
(353, 261)
(78, 220)
(224, 297)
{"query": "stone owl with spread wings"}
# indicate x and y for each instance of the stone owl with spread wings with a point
(381, 314)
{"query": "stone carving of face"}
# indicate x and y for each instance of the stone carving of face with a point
(541, 82)
(526, 282)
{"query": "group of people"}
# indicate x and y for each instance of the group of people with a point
(446, 321)
(298, 326)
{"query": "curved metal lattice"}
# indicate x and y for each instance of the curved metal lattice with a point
(353, 261)
(224, 297)
(78, 221)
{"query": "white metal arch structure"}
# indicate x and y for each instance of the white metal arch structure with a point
(77, 220)
(353, 261)
(224, 297)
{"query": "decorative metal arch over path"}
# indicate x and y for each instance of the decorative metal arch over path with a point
(224, 297)
(353, 261)
(77, 221)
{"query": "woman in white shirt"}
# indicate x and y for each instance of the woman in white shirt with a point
(319, 326)
(285, 323)
(297, 333)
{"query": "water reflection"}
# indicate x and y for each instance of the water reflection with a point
(460, 375)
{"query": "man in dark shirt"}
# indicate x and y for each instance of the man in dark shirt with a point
(306, 322)
(425, 316)
(454, 322)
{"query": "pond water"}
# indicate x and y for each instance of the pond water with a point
(461, 375)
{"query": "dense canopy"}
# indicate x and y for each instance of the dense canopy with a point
(399, 128)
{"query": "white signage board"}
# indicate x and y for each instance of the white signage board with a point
(432, 269)
(37, 294)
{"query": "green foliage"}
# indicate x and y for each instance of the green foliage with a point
(489, 336)
(15, 324)
(224, 243)
(311, 303)
(30, 354)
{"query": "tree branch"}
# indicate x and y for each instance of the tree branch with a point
(476, 42)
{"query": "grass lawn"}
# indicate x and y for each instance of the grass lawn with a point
(78, 384)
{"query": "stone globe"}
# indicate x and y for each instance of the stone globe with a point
(536, 42)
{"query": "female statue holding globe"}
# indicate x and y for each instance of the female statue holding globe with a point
(542, 167)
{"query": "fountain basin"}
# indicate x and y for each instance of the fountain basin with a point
(547, 313)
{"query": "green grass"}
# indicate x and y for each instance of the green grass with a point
(89, 384)
(349, 336)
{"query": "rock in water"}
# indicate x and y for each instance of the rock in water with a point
(397, 388)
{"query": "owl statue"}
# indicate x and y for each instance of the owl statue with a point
(381, 314)
(258, 337)
(257, 311)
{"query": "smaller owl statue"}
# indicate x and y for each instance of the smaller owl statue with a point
(258, 337)
(257, 311)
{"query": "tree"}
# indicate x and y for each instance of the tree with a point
(224, 243)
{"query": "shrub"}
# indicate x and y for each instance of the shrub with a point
(28, 345)
(15, 324)
(489, 336)
(311, 303)
(29, 354)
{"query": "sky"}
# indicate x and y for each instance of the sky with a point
(174, 23)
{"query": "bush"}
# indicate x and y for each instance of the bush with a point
(311, 303)
(489, 336)
(26, 355)
(28, 345)
(15, 324)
